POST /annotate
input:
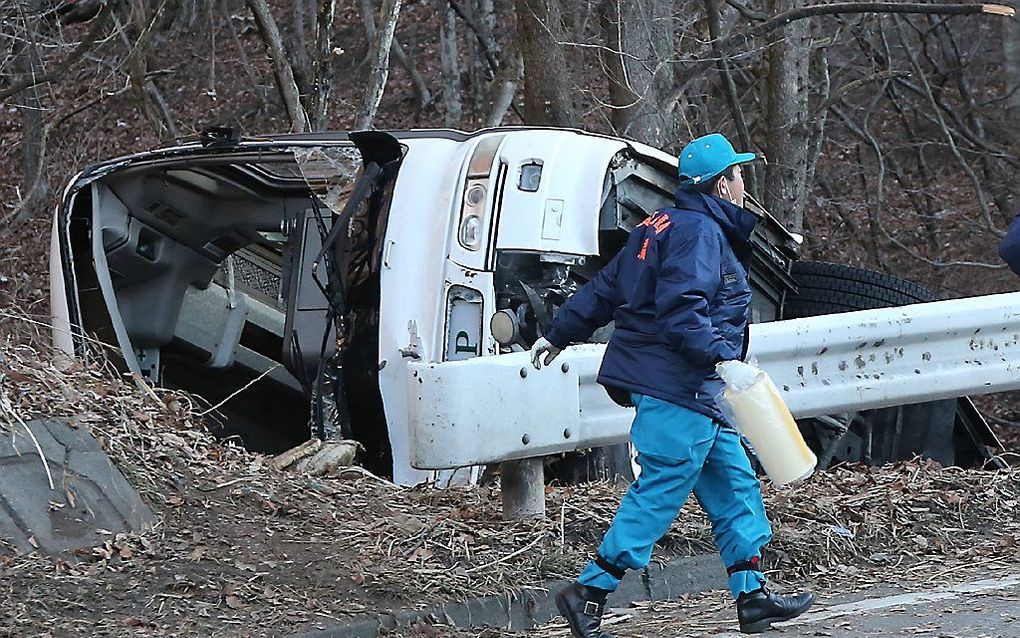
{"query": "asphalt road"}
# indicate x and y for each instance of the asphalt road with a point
(986, 608)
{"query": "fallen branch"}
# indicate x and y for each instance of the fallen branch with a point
(241, 389)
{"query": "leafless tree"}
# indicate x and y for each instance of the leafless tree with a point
(26, 64)
(277, 51)
(895, 135)
(450, 60)
(504, 86)
(547, 78)
(380, 58)
(637, 56)
(322, 64)
(1011, 54)
(786, 113)
(418, 81)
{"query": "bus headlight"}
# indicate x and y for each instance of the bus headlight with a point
(471, 232)
(474, 211)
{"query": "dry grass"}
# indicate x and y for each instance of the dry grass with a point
(242, 549)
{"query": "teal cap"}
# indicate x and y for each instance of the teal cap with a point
(707, 156)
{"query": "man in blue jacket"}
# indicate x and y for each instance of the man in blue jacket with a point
(1009, 247)
(678, 292)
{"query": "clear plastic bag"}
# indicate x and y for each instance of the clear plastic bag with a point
(753, 405)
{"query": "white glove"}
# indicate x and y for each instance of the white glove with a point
(542, 346)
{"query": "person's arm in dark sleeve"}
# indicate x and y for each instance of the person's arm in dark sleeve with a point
(1009, 248)
(588, 309)
(688, 279)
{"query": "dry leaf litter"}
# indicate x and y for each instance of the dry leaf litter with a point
(241, 549)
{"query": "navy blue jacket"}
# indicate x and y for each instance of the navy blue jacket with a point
(678, 292)
(1009, 248)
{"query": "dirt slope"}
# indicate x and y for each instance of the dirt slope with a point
(241, 549)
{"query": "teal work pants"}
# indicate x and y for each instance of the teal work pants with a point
(681, 451)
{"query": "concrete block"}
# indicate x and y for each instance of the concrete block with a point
(89, 494)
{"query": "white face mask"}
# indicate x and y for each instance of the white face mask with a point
(724, 188)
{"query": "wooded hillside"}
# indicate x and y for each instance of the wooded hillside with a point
(890, 128)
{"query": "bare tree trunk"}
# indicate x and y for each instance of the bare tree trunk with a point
(149, 99)
(163, 109)
(285, 81)
(243, 56)
(504, 87)
(368, 19)
(301, 62)
(417, 81)
(547, 81)
(638, 46)
(450, 59)
(381, 64)
(787, 132)
(421, 87)
(322, 64)
(817, 123)
(192, 13)
(1011, 52)
(34, 188)
(485, 12)
(729, 86)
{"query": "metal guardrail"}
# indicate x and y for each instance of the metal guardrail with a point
(892, 356)
(495, 409)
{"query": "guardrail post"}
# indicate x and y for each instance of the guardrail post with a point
(523, 487)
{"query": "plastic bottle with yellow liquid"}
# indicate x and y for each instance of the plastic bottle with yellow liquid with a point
(760, 415)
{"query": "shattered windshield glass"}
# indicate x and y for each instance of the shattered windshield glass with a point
(330, 172)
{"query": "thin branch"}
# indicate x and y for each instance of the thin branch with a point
(836, 97)
(246, 64)
(951, 140)
(729, 86)
(8, 407)
(748, 12)
(99, 23)
(241, 389)
(729, 43)
(868, 139)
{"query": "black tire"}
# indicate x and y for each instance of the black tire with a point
(898, 433)
(830, 288)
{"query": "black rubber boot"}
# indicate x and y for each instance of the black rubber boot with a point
(582, 607)
(757, 610)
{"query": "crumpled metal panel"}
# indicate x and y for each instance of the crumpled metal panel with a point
(479, 411)
(562, 215)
